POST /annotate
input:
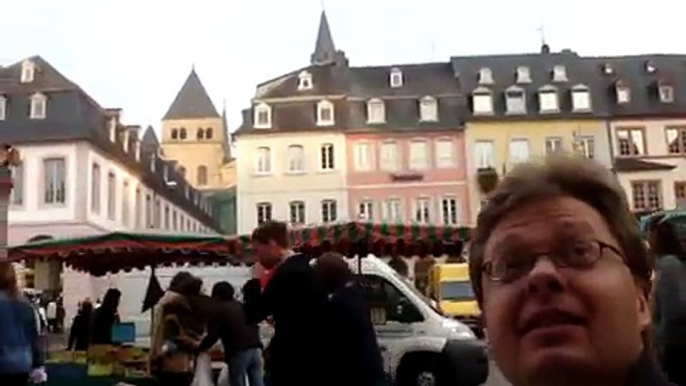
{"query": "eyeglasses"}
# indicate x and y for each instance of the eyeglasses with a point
(513, 265)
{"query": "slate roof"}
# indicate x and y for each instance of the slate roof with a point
(73, 115)
(192, 101)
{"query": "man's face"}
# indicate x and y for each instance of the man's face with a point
(556, 325)
(269, 254)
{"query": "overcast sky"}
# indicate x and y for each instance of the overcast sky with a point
(135, 54)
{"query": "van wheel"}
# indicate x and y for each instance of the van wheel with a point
(421, 372)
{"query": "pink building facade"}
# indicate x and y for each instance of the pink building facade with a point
(416, 177)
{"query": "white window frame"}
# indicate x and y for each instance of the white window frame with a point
(296, 159)
(111, 195)
(39, 106)
(515, 105)
(376, 111)
(623, 93)
(517, 146)
(666, 92)
(560, 73)
(582, 145)
(428, 109)
(551, 105)
(296, 212)
(264, 212)
(368, 156)
(422, 210)
(266, 109)
(553, 145)
(96, 188)
(581, 98)
(484, 161)
(28, 71)
(523, 75)
(485, 76)
(304, 81)
(365, 210)
(327, 157)
(263, 165)
(3, 107)
(444, 161)
(385, 163)
(54, 189)
(482, 101)
(446, 216)
(396, 78)
(413, 161)
(321, 107)
(391, 205)
(326, 207)
(17, 193)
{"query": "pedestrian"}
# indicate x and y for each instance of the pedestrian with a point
(669, 311)
(80, 332)
(353, 339)
(240, 340)
(51, 314)
(563, 278)
(21, 356)
(296, 303)
(105, 317)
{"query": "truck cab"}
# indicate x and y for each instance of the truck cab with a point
(450, 287)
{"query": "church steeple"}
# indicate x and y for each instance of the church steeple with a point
(192, 101)
(324, 50)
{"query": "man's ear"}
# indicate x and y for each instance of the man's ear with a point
(643, 307)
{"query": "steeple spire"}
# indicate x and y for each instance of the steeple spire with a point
(324, 50)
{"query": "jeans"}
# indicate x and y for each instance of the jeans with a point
(246, 364)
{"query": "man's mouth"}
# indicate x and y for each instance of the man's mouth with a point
(548, 319)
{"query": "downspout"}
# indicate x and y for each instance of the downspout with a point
(610, 142)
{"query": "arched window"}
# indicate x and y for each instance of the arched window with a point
(208, 133)
(175, 134)
(201, 134)
(202, 175)
(182, 133)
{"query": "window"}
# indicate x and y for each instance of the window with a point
(623, 93)
(547, 98)
(325, 115)
(485, 76)
(264, 160)
(17, 193)
(387, 303)
(126, 204)
(28, 70)
(650, 67)
(158, 214)
(208, 133)
(630, 142)
(263, 116)
(647, 195)
(175, 134)
(167, 219)
(148, 211)
(297, 212)
(515, 100)
(363, 156)
(55, 181)
(95, 188)
(676, 140)
(390, 157)
(482, 100)
(138, 209)
(519, 150)
(202, 175)
(483, 154)
(329, 211)
(111, 195)
(365, 211)
(38, 106)
(666, 93)
(553, 145)
(182, 133)
(559, 73)
(376, 111)
(680, 194)
(200, 134)
(175, 223)
(428, 109)
(449, 211)
(264, 213)
(296, 158)
(396, 78)
(3, 108)
(445, 153)
(523, 75)
(422, 210)
(418, 155)
(304, 81)
(581, 98)
(585, 145)
(392, 210)
(327, 157)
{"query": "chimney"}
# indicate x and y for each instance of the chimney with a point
(125, 142)
(131, 134)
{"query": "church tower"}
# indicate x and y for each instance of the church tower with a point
(195, 136)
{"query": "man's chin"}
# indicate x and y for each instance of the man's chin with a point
(552, 364)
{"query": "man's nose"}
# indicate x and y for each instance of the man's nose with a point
(545, 278)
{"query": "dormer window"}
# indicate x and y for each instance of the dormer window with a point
(515, 100)
(28, 70)
(623, 93)
(523, 75)
(482, 100)
(304, 81)
(548, 99)
(396, 78)
(559, 74)
(376, 111)
(325, 114)
(428, 109)
(650, 67)
(581, 98)
(608, 69)
(38, 106)
(3, 108)
(113, 130)
(666, 92)
(485, 76)
(263, 116)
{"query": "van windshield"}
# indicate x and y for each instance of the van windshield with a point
(420, 295)
(457, 291)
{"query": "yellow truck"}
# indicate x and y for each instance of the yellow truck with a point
(450, 287)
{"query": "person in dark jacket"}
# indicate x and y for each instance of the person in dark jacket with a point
(358, 357)
(105, 317)
(80, 333)
(240, 340)
(297, 305)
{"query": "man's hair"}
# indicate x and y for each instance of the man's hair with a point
(576, 177)
(332, 270)
(666, 240)
(275, 231)
(179, 281)
(223, 291)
